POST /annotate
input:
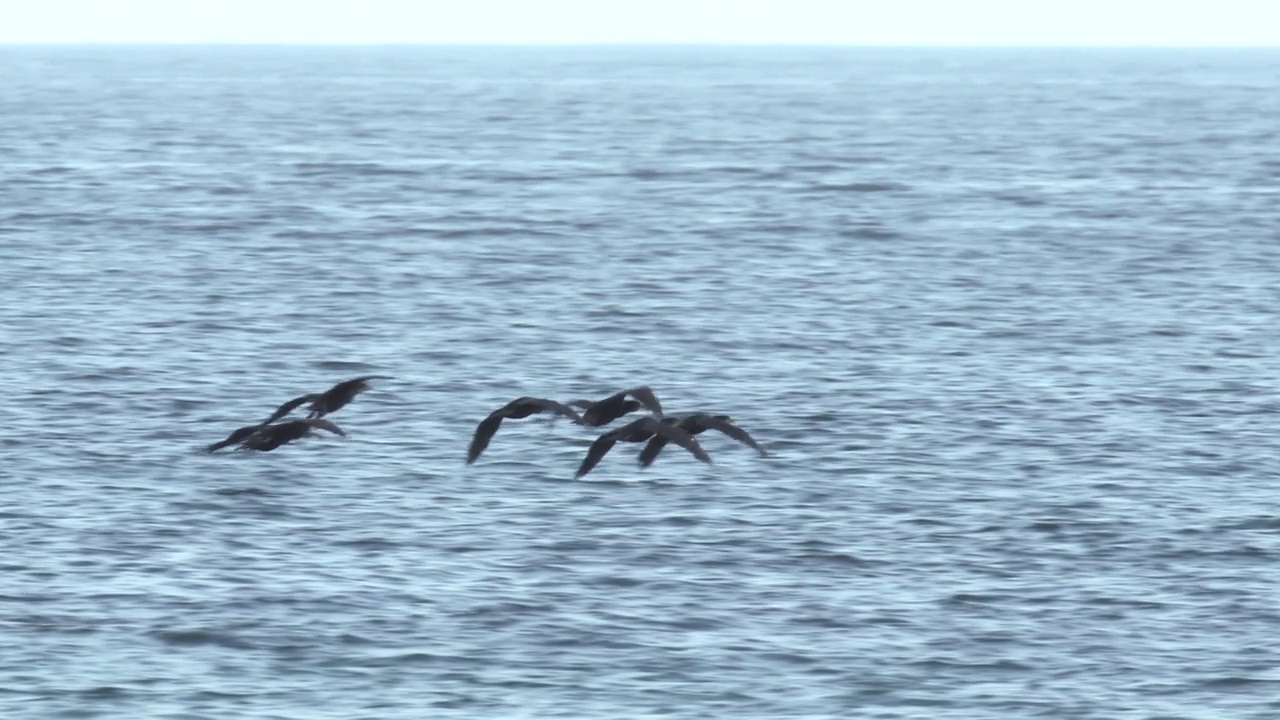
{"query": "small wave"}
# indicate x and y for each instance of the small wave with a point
(823, 621)
(869, 232)
(859, 187)
(369, 544)
(1259, 523)
(964, 598)
(1235, 681)
(356, 169)
(401, 660)
(495, 231)
(104, 692)
(996, 665)
(651, 174)
(232, 492)
(196, 638)
(836, 558)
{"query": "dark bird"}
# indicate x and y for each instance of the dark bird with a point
(270, 437)
(236, 437)
(289, 407)
(514, 410)
(603, 412)
(696, 424)
(339, 395)
(639, 430)
(239, 434)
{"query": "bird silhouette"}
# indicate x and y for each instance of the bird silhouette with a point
(339, 395)
(515, 410)
(603, 412)
(270, 437)
(640, 430)
(696, 424)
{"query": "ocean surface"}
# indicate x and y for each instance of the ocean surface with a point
(1006, 322)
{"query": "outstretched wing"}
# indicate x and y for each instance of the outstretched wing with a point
(652, 449)
(323, 424)
(264, 438)
(553, 406)
(347, 385)
(596, 452)
(336, 397)
(680, 437)
(289, 407)
(237, 436)
(728, 428)
(646, 397)
(364, 378)
(484, 433)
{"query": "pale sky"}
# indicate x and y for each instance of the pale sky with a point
(838, 22)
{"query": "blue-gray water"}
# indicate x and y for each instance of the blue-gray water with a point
(1005, 320)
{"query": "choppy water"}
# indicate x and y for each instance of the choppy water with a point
(1006, 322)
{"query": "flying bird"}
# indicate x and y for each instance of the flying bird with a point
(339, 395)
(603, 412)
(514, 410)
(270, 437)
(639, 430)
(239, 434)
(288, 407)
(696, 424)
(236, 437)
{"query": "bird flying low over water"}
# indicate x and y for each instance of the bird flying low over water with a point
(603, 412)
(694, 424)
(640, 430)
(515, 410)
(288, 407)
(339, 395)
(238, 435)
(267, 436)
(270, 437)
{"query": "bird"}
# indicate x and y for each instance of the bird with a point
(603, 412)
(639, 430)
(290, 406)
(516, 409)
(339, 395)
(270, 437)
(239, 434)
(695, 424)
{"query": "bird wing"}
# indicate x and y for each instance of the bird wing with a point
(324, 402)
(326, 425)
(363, 378)
(679, 437)
(555, 407)
(596, 452)
(237, 435)
(289, 407)
(728, 428)
(484, 433)
(646, 397)
(264, 437)
(652, 449)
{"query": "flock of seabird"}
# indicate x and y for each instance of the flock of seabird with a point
(656, 430)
